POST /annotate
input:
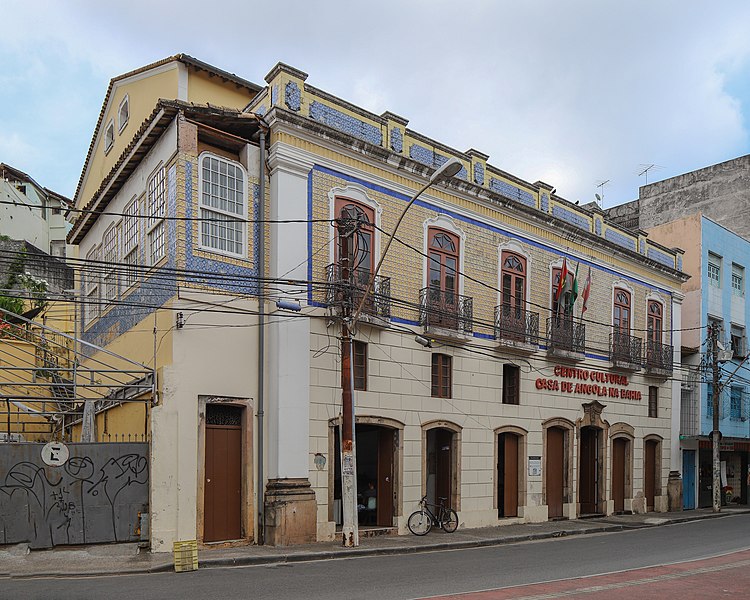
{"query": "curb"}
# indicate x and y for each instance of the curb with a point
(272, 559)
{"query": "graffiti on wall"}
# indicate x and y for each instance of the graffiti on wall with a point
(98, 494)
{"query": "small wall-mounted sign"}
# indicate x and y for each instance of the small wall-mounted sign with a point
(535, 466)
(55, 454)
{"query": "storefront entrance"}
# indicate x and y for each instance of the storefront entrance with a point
(649, 472)
(589, 471)
(507, 475)
(376, 449)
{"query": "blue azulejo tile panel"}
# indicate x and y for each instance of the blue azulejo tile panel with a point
(430, 157)
(598, 226)
(215, 273)
(571, 217)
(153, 290)
(479, 173)
(261, 110)
(513, 192)
(620, 239)
(397, 140)
(642, 246)
(292, 96)
(544, 202)
(346, 123)
(661, 257)
(274, 94)
(679, 262)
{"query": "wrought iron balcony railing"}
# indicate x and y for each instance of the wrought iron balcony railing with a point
(446, 309)
(352, 290)
(625, 349)
(515, 324)
(659, 357)
(565, 335)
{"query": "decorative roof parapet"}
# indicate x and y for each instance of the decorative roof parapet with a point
(388, 131)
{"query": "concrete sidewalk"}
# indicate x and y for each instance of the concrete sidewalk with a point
(114, 559)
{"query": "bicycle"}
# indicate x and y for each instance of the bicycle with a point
(421, 521)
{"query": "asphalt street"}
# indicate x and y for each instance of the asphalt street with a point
(416, 575)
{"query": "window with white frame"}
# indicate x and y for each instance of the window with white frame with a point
(111, 258)
(222, 205)
(714, 270)
(109, 136)
(91, 287)
(738, 280)
(123, 114)
(156, 202)
(130, 229)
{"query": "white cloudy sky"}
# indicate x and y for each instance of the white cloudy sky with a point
(570, 92)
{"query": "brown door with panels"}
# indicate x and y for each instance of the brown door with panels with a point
(555, 471)
(619, 450)
(386, 441)
(588, 469)
(507, 475)
(649, 473)
(223, 471)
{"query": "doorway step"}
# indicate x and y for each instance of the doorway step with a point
(377, 531)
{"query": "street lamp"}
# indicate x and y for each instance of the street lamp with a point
(350, 530)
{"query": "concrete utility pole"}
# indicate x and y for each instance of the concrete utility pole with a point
(716, 434)
(350, 533)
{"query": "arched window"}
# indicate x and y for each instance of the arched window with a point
(443, 250)
(621, 315)
(513, 285)
(355, 217)
(655, 321)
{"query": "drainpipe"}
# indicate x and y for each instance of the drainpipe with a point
(261, 332)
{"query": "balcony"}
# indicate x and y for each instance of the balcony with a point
(659, 358)
(625, 351)
(566, 339)
(516, 329)
(377, 305)
(446, 314)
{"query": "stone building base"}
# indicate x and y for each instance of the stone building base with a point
(290, 512)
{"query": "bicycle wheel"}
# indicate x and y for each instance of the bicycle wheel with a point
(450, 521)
(419, 522)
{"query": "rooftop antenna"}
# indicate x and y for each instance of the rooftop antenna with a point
(646, 168)
(600, 184)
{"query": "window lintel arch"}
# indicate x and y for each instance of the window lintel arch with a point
(357, 195)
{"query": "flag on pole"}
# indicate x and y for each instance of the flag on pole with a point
(586, 291)
(573, 292)
(562, 283)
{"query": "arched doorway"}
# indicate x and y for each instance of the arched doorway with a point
(651, 464)
(510, 452)
(589, 468)
(378, 459)
(620, 447)
(441, 443)
(556, 470)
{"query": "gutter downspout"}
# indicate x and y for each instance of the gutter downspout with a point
(261, 334)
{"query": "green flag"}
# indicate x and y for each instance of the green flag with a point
(574, 291)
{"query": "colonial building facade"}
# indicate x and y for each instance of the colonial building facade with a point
(513, 404)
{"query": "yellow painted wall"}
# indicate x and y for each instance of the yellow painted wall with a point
(143, 94)
(203, 88)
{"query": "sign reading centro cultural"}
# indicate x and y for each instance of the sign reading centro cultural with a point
(588, 383)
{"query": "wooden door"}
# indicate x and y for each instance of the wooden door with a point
(619, 449)
(688, 479)
(587, 480)
(649, 473)
(555, 471)
(508, 475)
(385, 502)
(444, 466)
(223, 485)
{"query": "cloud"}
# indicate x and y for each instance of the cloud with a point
(571, 93)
